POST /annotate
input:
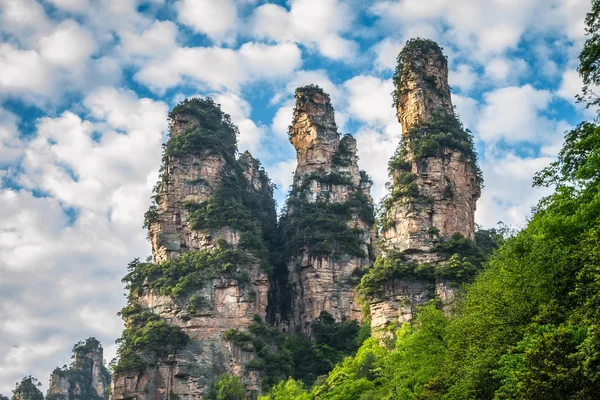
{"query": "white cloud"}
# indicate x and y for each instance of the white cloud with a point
(313, 23)
(219, 68)
(23, 71)
(386, 53)
(158, 39)
(370, 100)
(71, 5)
(502, 70)
(10, 144)
(251, 135)
(216, 18)
(22, 18)
(375, 150)
(514, 114)
(282, 120)
(99, 173)
(68, 45)
(463, 77)
(509, 206)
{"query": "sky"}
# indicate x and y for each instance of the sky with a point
(86, 86)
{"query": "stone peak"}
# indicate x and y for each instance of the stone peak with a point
(422, 93)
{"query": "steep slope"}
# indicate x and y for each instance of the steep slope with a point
(328, 221)
(210, 271)
(429, 215)
(86, 379)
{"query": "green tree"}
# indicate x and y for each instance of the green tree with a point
(28, 389)
(227, 387)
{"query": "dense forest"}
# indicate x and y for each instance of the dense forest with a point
(528, 326)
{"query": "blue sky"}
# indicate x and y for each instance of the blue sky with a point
(86, 86)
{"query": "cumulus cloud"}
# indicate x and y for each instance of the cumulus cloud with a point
(317, 24)
(509, 206)
(159, 39)
(68, 45)
(96, 175)
(221, 68)
(215, 18)
(514, 114)
(251, 135)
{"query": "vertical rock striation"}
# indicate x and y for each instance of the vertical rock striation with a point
(328, 221)
(208, 229)
(86, 379)
(435, 185)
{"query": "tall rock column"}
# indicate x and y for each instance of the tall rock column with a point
(208, 229)
(435, 178)
(435, 186)
(329, 215)
(86, 379)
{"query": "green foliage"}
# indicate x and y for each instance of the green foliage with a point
(309, 91)
(81, 386)
(213, 131)
(322, 227)
(145, 335)
(343, 154)
(28, 389)
(589, 64)
(545, 365)
(287, 390)
(414, 49)
(2, 397)
(228, 387)
(175, 277)
(279, 356)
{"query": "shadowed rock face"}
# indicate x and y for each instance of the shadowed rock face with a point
(435, 179)
(327, 173)
(224, 301)
(86, 379)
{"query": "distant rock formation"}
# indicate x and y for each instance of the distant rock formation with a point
(328, 226)
(28, 389)
(86, 379)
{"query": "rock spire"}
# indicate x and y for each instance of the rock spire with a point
(212, 217)
(434, 189)
(86, 379)
(329, 218)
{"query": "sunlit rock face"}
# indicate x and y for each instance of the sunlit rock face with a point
(86, 379)
(327, 174)
(435, 179)
(192, 175)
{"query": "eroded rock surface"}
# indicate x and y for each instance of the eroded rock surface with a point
(201, 182)
(322, 272)
(435, 181)
(86, 379)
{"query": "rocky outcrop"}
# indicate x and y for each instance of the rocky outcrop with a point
(86, 379)
(435, 182)
(210, 270)
(329, 219)
(28, 389)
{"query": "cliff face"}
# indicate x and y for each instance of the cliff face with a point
(435, 184)
(210, 270)
(86, 379)
(328, 222)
